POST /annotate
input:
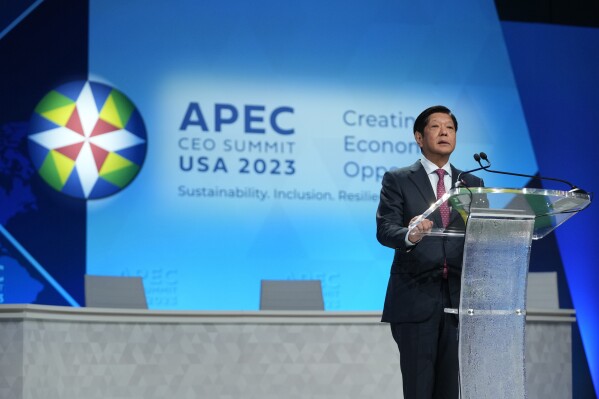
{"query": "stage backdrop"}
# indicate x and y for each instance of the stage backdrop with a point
(208, 146)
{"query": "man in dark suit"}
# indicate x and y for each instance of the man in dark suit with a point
(426, 270)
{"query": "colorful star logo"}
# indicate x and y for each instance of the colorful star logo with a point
(87, 139)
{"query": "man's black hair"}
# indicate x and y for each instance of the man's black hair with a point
(422, 120)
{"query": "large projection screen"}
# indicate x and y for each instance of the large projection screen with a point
(269, 126)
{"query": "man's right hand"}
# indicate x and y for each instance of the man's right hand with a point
(417, 232)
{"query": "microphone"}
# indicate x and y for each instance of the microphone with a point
(477, 158)
(482, 156)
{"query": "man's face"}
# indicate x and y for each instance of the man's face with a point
(439, 137)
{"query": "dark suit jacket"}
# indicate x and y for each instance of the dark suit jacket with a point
(413, 292)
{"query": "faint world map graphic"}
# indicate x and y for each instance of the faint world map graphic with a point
(16, 197)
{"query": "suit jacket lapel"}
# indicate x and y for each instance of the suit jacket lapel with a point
(422, 182)
(454, 178)
(423, 185)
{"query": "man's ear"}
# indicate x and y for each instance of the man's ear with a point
(418, 137)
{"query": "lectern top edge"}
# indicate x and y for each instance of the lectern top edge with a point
(549, 208)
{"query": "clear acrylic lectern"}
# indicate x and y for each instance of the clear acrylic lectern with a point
(499, 226)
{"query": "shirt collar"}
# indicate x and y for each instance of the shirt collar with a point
(430, 167)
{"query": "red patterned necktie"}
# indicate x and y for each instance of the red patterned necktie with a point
(443, 209)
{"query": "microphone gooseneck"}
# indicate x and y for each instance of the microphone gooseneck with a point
(482, 156)
(477, 158)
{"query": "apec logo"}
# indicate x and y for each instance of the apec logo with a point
(255, 118)
(87, 140)
(246, 140)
